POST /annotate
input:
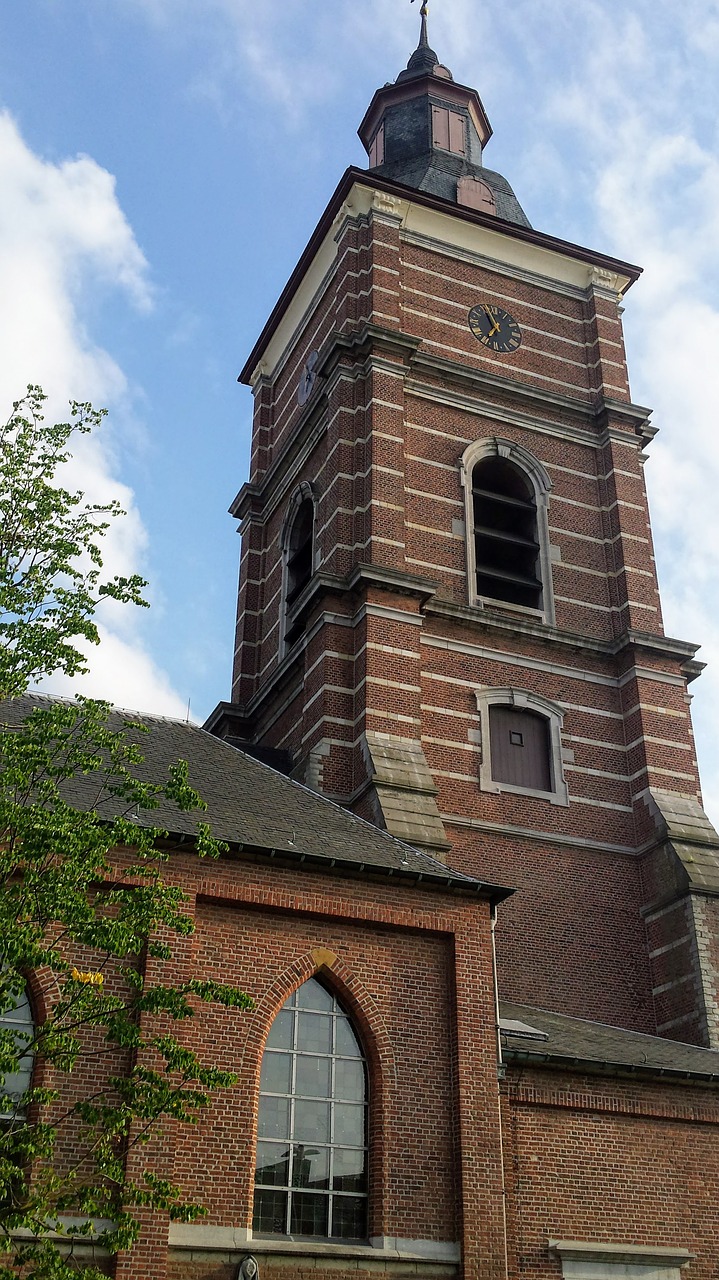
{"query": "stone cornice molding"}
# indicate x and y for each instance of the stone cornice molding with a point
(574, 1253)
(678, 651)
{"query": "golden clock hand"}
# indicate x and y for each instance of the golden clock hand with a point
(496, 326)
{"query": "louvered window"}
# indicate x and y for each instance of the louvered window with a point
(311, 1169)
(299, 558)
(505, 534)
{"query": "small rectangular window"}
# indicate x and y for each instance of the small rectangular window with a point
(516, 739)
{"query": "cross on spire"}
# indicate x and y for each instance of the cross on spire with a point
(423, 36)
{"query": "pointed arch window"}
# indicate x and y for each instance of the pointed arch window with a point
(311, 1167)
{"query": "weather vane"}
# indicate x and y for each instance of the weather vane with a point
(425, 8)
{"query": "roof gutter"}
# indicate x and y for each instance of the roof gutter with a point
(594, 1066)
(492, 893)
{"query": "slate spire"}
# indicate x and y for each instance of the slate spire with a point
(428, 132)
(424, 59)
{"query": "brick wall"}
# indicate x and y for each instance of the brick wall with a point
(413, 968)
(609, 1161)
(382, 444)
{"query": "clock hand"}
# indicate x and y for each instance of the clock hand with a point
(496, 324)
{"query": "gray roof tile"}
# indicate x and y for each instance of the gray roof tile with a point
(252, 805)
(600, 1046)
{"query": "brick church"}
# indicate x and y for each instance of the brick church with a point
(471, 886)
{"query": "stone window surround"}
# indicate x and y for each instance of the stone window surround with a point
(525, 700)
(496, 447)
(582, 1260)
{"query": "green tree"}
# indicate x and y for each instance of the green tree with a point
(84, 907)
(50, 548)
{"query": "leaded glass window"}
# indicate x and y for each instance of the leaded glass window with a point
(311, 1170)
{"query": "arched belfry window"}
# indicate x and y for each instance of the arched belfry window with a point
(298, 552)
(507, 493)
(505, 533)
(311, 1168)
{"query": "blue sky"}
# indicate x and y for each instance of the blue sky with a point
(163, 163)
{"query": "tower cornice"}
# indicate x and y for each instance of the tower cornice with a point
(353, 179)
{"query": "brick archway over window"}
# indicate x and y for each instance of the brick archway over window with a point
(376, 1044)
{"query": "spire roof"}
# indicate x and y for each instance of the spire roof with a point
(424, 59)
(428, 132)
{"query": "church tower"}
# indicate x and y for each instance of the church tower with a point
(448, 616)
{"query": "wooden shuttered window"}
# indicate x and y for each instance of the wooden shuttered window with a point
(448, 130)
(475, 194)
(376, 148)
(520, 748)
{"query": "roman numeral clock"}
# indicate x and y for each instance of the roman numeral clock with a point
(494, 327)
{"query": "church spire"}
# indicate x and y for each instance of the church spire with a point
(424, 59)
(423, 37)
(427, 132)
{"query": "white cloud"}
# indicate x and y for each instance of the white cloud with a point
(64, 241)
(637, 126)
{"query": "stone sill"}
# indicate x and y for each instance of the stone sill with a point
(204, 1238)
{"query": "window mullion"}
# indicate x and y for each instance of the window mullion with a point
(331, 1161)
(293, 1087)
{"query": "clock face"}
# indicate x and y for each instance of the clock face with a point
(494, 327)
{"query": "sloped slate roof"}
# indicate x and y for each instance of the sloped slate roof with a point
(252, 805)
(592, 1044)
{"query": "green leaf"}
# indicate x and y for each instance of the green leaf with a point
(83, 904)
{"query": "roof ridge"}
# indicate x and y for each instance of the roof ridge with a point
(40, 694)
